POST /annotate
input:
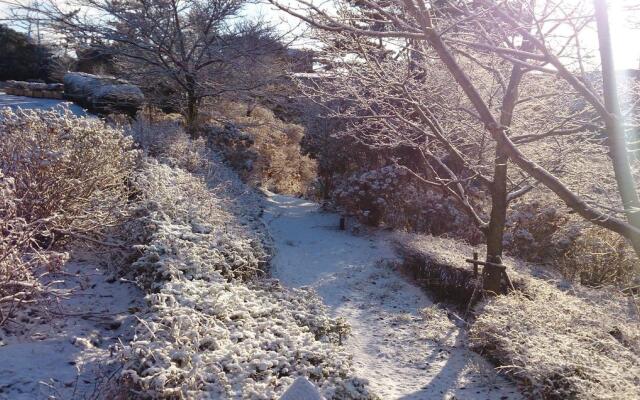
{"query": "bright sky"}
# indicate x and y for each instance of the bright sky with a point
(626, 40)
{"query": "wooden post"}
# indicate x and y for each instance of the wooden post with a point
(343, 223)
(475, 264)
(490, 267)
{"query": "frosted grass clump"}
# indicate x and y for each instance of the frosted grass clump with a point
(563, 345)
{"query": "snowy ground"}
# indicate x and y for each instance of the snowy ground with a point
(401, 342)
(7, 100)
(65, 352)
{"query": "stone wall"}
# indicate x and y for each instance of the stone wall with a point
(34, 89)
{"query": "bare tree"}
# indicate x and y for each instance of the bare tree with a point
(194, 49)
(511, 42)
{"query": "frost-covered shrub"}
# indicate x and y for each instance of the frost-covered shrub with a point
(15, 237)
(600, 257)
(218, 339)
(182, 204)
(534, 229)
(61, 175)
(212, 331)
(69, 173)
(264, 149)
(390, 195)
(373, 183)
(539, 229)
(18, 257)
(235, 145)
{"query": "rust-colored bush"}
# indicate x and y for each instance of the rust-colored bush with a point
(270, 148)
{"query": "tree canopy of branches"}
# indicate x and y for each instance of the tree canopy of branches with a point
(473, 87)
(191, 49)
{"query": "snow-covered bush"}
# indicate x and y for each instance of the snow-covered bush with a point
(534, 228)
(265, 149)
(61, 176)
(375, 185)
(197, 225)
(69, 173)
(19, 259)
(16, 280)
(390, 195)
(541, 230)
(213, 330)
(235, 145)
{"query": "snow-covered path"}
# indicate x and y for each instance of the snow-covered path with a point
(28, 103)
(64, 351)
(401, 342)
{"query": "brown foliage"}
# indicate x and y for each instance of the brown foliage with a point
(270, 147)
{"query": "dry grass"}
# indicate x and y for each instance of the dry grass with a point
(564, 341)
(600, 257)
(563, 346)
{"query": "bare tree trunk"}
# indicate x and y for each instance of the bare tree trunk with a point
(492, 276)
(613, 121)
(192, 110)
(192, 104)
(499, 201)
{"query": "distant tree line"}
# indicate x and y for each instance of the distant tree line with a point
(21, 58)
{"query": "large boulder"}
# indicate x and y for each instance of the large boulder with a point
(103, 94)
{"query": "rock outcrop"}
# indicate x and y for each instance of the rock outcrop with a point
(102, 94)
